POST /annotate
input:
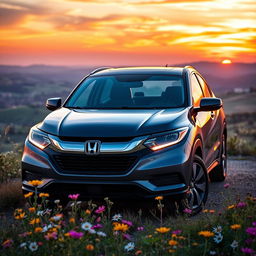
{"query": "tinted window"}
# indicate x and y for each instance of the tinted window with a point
(197, 93)
(204, 86)
(129, 91)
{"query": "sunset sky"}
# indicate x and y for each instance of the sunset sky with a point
(131, 32)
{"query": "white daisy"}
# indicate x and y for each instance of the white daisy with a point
(218, 238)
(86, 226)
(91, 231)
(33, 246)
(57, 201)
(57, 218)
(217, 229)
(100, 233)
(45, 228)
(212, 253)
(234, 244)
(129, 247)
(23, 245)
(40, 213)
(117, 217)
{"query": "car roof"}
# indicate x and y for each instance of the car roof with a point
(138, 71)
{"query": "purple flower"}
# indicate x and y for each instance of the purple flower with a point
(127, 236)
(241, 205)
(251, 231)
(177, 232)
(226, 185)
(129, 223)
(249, 241)
(247, 250)
(188, 211)
(140, 228)
(254, 223)
(75, 234)
(97, 226)
(100, 209)
(74, 196)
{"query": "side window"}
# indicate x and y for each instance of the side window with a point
(204, 86)
(197, 93)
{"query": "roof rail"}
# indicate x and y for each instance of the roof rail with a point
(98, 70)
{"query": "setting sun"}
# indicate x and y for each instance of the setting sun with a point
(226, 62)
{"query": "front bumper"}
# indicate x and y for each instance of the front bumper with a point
(166, 172)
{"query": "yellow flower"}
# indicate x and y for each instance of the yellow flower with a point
(89, 247)
(162, 230)
(206, 233)
(181, 237)
(121, 227)
(174, 235)
(88, 212)
(205, 210)
(34, 221)
(149, 236)
(231, 206)
(72, 220)
(235, 226)
(29, 194)
(20, 216)
(32, 209)
(66, 234)
(35, 183)
(38, 229)
(44, 195)
(195, 244)
(19, 210)
(159, 198)
(172, 242)
(171, 251)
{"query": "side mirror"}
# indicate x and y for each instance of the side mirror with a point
(208, 104)
(53, 103)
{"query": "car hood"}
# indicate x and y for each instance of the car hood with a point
(113, 123)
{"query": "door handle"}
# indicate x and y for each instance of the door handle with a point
(212, 115)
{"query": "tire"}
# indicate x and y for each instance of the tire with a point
(219, 173)
(198, 189)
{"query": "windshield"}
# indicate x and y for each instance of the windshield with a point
(129, 91)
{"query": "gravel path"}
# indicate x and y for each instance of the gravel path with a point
(242, 180)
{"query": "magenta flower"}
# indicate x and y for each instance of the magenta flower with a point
(177, 232)
(127, 222)
(74, 196)
(226, 185)
(100, 209)
(188, 211)
(249, 241)
(97, 226)
(140, 228)
(247, 250)
(254, 223)
(241, 205)
(75, 234)
(251, 231)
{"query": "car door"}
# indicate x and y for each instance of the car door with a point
(213, 141)
(204, 120)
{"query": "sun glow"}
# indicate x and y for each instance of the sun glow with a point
(226, 62)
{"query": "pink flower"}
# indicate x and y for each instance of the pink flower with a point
(251, 231)
(241, 205)
(40, 243)
(100, 209)
(97, 226)
(75, 234)
(74, 196)
(226, 185)
(7, 243)
(98, 219)
(188, 211)
(247, 250)
(177, 232)
(129, 223)
(140, 228)
(50, 236)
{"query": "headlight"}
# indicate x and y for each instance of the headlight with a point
(38, 139)
(166, 140)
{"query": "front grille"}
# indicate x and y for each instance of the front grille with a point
(90, 165)
(102, 139)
